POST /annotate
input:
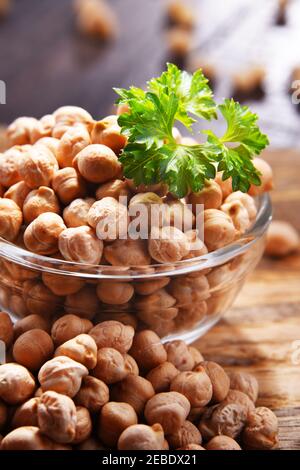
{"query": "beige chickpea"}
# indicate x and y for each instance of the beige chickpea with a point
(210, 196)
(127, 253)
(169, 409)
(134, 390)
(50, 143)
(160, 189)
(93, 394)
(6, 329)
(68, 116)
(16, 384)
(71, 143)
(247, 201)
(179, 215)
(11, 218)
(62, 285)
(29, 438)
(76, 213)
(122, 317)
(149, 205)
(38, 166)
(18, 193)
(147, 350)
(282, 239)
(108, 132)
(222, 443)
(218, 377)
(179, 355)
(84, 303)
(197, 356)
(115, 188)
(157, 301)
(149, 287)
(266, 177)
(168, 245)
(109, 218)
(187, 434)
(42, 129)
(81, 245)
(33, 348)
(68, 185)
(238, 214)
(196, 245)
(82, 349)
(114, 293)
(245, 383)
(19, 131)
(96, 19)
(225, 185)
(219, 229)
(161, 376)
(97, 163)
(113, 334)
(57, 418)
(68, 327)
(261, 431)
(39, 299)
(224, 419)
(195, 386)
(10, 164)
(31, 322)
(3, 415)
(84, 425)
(39, 201)
(189, 291)
(110, 366)
(113, 420)
(62, 375)
(240, 398)
(26, 414)
(41, 236)
(131, 365)
(142, 437)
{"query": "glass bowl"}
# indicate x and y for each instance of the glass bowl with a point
(178, 301)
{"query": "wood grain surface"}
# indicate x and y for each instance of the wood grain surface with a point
(261, 332)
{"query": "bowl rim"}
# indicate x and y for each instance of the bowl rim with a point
(26, 259)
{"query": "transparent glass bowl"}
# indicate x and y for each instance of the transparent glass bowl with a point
(178, 301)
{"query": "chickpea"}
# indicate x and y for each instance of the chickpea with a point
(282, 239)
(33, 348)
(179, 355)
(26, 414)
(39, 201)
(115, 188)
(62, 285)
(210, 196)
(76, 213)
(114, 293)
(168, 245)
(113, 420)
(42, 129)
(84, 303)
(181, 14)
(148, 350)
(235, 396)
(11, 218)
(19, 131)
(134, 390)
(169, 409)
(71, 143)
(68, 327)
(218, 229)
(93, 394)
(225, 185)
(155, 302)
(122, 317)
(179, 42)
(196, 246)
(68, 185)
(62, 375)
(247, 201)
(16, 383)
(39, 299)
(97, 163)
(3, 415)
(109, 218)
(187, 434)
(81, 245)
(195, 386)
(57, 417)
(160, 189)
(108, 132)
(50, 143)
(196, 413)
(41, 236)
(96, 19)
(238, 214)
(6, 329)
(18, 193)
(84, 425)
(218, 377)
(131, 365)
(82, 349)
(38, 166)
(152, 202)
(68, 116)
(91, 444)
(113, 334)
(189, 291)
(266, 177)
(197, 356)
(161, 376)
(261, 431)
(244, 382)
(142, 437)
(127, 253)
(31, 322)
(222, 443)
(149, 287)
(110, 366)
(29, 438)
(227, 419)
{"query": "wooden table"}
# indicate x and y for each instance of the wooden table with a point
(258, 335)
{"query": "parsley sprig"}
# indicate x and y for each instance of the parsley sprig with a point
(152, 154)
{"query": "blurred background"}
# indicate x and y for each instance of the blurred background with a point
(53, 53)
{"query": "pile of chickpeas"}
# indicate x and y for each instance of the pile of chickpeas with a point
(73, 385)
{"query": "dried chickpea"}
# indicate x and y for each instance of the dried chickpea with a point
(261, 431)
(84, 303)
(41, 236)
(187, 434)
(71, 143)
(16, 383)
(93, 394)
(113, 420)
(19, 131)
(247, 201)
(3, 415)
(188, 291)
(168, 245)
(238, 214)
(282, 239)
(218, 229)
(42, 129)
(127, 253)
(62, 285)
(169, 409)
(18, 193)
(149, 287)
(6, 329)
(113, 334)
(38, 166)
(128, 319)
(178, 354)
(84, 425)
(109, 218)
(181, 14)
(81, 245)
(68, 327)
(11, 218)
(33, 348)
(68, 185)
(266, 177)
(39, 299)
(76, 213)
(26, 414)
(196, 245)
(197, 356)
(97, 163)
(107, 132)
(96, 18)
(227, 419)
(161, 376)
(222, 443)
(159, 300)
(142, 437)
(160, 188)
(62, 375)
(179, 215)
(39, 201)
(50, 143)
(152, 203)
(82, 349)
(131, 365)
(57, 418)
(195, 386)
(218, 377)
(179, 42)
(110, 366)
(134, 390)
(225, 185)
(115, 188)
(244, 382)
(210, 196)
(147, 350)
(114, 293)
(10, 162)
(68, 116)
(31, 322)
(235, 396)
(29, 438)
